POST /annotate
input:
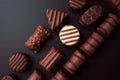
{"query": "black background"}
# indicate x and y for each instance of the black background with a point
(19, 19)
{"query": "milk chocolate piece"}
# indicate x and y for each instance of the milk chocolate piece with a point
(9, 77)
(60, 76)
(91, 15)
(19, 62)
(69, 35)
(37, 39)
(53, 56)
(107, 27)
(55, 18)
(115, 4)
(36, 75)
(93, 42)
(77, 4)
(75, 61)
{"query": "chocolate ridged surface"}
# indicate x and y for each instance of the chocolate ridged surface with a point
(53, 56)
(91, 15)
(75, 61)
(55, 18)
(19, 62)
(77, 4)
(8, 77)
(107, 27)
(93, 42)
(69, 35)
(37, 39)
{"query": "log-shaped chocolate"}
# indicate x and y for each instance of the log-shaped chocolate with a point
(115, 4)
(91, 15)
(93, 42)
(107, 27)
(74, 63)
(59, 76)
(53, 56)
(35, 42)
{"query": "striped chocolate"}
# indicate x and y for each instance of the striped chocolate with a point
(55, 18)
(69, 35)
(53, 56)
(19, 62)
(77, 4)
(75, 62)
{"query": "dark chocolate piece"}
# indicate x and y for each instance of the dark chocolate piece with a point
(36, 75)
(77, 4)
(107, 27)
(19, 62)
(53, 56)
(91, 15)
(93, 42)
(60, 76)
(74, 63)
(55, 18)
(36, 41)
(9, 77)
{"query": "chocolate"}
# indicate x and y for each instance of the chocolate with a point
(8, 77)
(53, 56)
(93, 42)
(91, 15)
(60, 76)
(55, 18)
(74, 63)
(36, 40)
(19, 62)
(69, 35)
(77, 4)
(107, 27)
(115, 4)
(36, 75)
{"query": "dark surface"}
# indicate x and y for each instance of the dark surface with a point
(18, 20)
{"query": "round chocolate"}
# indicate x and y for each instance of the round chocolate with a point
(69, 35)
(19, 62)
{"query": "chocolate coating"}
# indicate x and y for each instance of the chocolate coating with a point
(74, 63)
(53, 56)
(36, 40)
(19, 62)
(8, 77)
(91, 15)
(55, 18)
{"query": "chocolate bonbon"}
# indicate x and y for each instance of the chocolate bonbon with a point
(55, 18)
(19, 62)
(69, 35)
(36, 40)
(77, 5)
(91, 15)
(9, 77)
(53, 56)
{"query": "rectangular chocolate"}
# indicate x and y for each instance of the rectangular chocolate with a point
(37, 39)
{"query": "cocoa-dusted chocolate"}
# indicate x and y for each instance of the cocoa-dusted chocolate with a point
(69, 35)
(36, 75)
(55, 18)
(75, 61)
(60, 76)
(115, 4)
(107, 27)
(36, 40)
(91, 15)
(93, 42)
(77, 5)
(19, 62)
(9, 77)
(52, 57)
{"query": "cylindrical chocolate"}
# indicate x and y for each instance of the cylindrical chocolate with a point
(93, 42)
(35, 41)
(60, 76)
(76, 60)
(107, 27)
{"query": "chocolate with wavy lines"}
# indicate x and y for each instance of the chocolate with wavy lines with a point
(9, 77)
